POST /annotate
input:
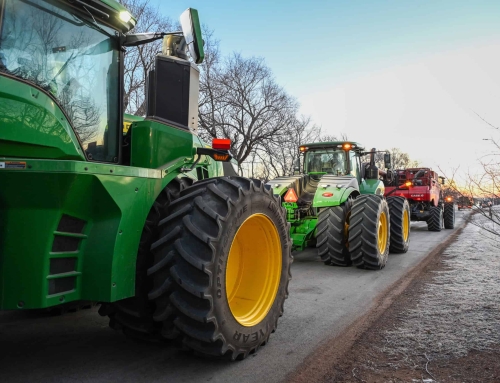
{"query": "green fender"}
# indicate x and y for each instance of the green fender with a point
(280, 185)
(341, 187)
(372, 187)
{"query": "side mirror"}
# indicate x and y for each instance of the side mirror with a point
(387, 160)
(442, 180)
(191, 30)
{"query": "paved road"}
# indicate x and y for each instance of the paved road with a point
(80, 347)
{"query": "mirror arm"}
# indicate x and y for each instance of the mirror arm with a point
(136, 39)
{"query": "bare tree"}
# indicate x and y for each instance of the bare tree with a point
(332, 138)
(484, 186)
(279, 155)
(399, 159)
(140, 60)
(241, 100)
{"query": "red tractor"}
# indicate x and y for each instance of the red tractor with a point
(422, 188)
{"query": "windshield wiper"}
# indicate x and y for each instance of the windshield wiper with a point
(93, 25)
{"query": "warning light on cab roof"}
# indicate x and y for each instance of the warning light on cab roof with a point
(346, 146)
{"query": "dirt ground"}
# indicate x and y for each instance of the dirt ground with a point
(444, 326)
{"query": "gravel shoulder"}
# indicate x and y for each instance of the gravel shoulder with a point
(443, 326)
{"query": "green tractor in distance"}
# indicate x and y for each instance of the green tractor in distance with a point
(337, 204)
(132, 212)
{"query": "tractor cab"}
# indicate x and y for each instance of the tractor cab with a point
(335, 158)
(62, 80)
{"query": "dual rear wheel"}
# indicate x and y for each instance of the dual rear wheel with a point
(441, 216)
(363, 231)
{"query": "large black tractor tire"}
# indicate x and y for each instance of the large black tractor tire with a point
(399, 210)
(222, 267)
(332, 235)
(435, 220)
(134, 316)
(449, 215)
(369, 232)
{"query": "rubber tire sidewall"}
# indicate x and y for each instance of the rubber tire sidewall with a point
(449, 206)
(237, 335)
(397, 217)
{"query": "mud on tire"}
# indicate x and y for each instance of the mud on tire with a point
(332, 238)
(435, 220)
(399, 210)
(449, 215)
(200, 285)
(134, 316)
(369, 232)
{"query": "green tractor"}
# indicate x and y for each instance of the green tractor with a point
(132, 212)
(337, 204)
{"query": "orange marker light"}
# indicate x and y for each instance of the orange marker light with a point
(221, 143)
(291, 196)
(302, 149)
(327, 194)
(448, 199)
(347, 146)
(221, 157)
(408, 183)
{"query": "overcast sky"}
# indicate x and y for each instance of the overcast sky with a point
(407, 74)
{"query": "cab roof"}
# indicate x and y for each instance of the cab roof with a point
(113, 8)
(332, 145)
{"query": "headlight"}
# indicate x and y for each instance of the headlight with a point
(125, 16)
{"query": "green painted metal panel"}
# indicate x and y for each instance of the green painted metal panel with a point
(131, 118)
(302, 232)
(372, 187)
(154, 144)
(32, 125)
(340, 186)
(199, 37)
(113, 201)
(160, 146)
(117, 6)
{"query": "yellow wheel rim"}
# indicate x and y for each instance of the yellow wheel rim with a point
(253, 270)
(406, 225)
(382, 233)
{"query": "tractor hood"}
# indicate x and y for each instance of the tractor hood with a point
(334, 190)
(307, 188)
(280, 185)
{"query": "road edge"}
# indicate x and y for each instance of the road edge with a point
(330, 351)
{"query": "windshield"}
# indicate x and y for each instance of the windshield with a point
(73, 60)
(326, 161)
